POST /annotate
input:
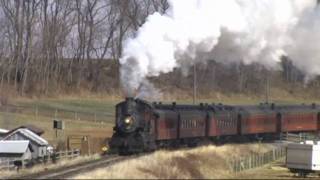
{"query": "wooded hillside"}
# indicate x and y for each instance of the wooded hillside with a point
(50, 47)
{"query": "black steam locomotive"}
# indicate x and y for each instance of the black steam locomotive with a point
(142, 126)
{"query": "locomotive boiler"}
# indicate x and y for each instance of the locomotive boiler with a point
(142, 126)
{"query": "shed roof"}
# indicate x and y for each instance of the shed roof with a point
(30, 135)
(15, 147)
(3, 131)
(31, 127)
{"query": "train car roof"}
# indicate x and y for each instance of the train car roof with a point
(218, 107)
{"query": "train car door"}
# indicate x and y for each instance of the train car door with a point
(239, 122)
(318, 121)
(279, 123)
(207, 124)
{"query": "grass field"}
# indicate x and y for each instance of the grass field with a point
(79, 104)
(85, 117)
(4, 174)
(206, 162)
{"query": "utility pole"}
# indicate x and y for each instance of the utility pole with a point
(194, 83)
(267, 87)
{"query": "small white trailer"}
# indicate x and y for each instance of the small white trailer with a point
(303, 158)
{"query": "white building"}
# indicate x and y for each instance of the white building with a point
(37, 143)
(15, 150)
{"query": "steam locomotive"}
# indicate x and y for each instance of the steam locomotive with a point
(141, 126)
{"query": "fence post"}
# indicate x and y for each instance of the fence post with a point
(274, 154)
(36, 112)
(237, 165)
(56, 113)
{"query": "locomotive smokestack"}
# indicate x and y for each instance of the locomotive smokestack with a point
(129, 98)
(130, 105)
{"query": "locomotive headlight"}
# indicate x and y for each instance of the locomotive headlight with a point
(128, 121)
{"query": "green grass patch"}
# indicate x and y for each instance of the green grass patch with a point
(79, 105)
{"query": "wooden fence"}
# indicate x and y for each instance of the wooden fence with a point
(67, 154)
(10, 165)
(256, 160)
(300, 137)
(59, 113)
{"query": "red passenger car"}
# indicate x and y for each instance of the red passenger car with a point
(257, 119)
(299, 119)
(223, 121)
(192, 124)
(166, 125)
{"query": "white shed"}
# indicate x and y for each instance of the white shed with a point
(303, 158)
(38, 144)
(15, 150)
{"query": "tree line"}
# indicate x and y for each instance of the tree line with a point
(56, 46)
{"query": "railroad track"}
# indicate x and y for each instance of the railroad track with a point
(66, 172)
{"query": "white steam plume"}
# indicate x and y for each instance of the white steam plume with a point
(226, 30)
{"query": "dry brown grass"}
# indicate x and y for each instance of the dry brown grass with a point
(48, 166)
(202, 162)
